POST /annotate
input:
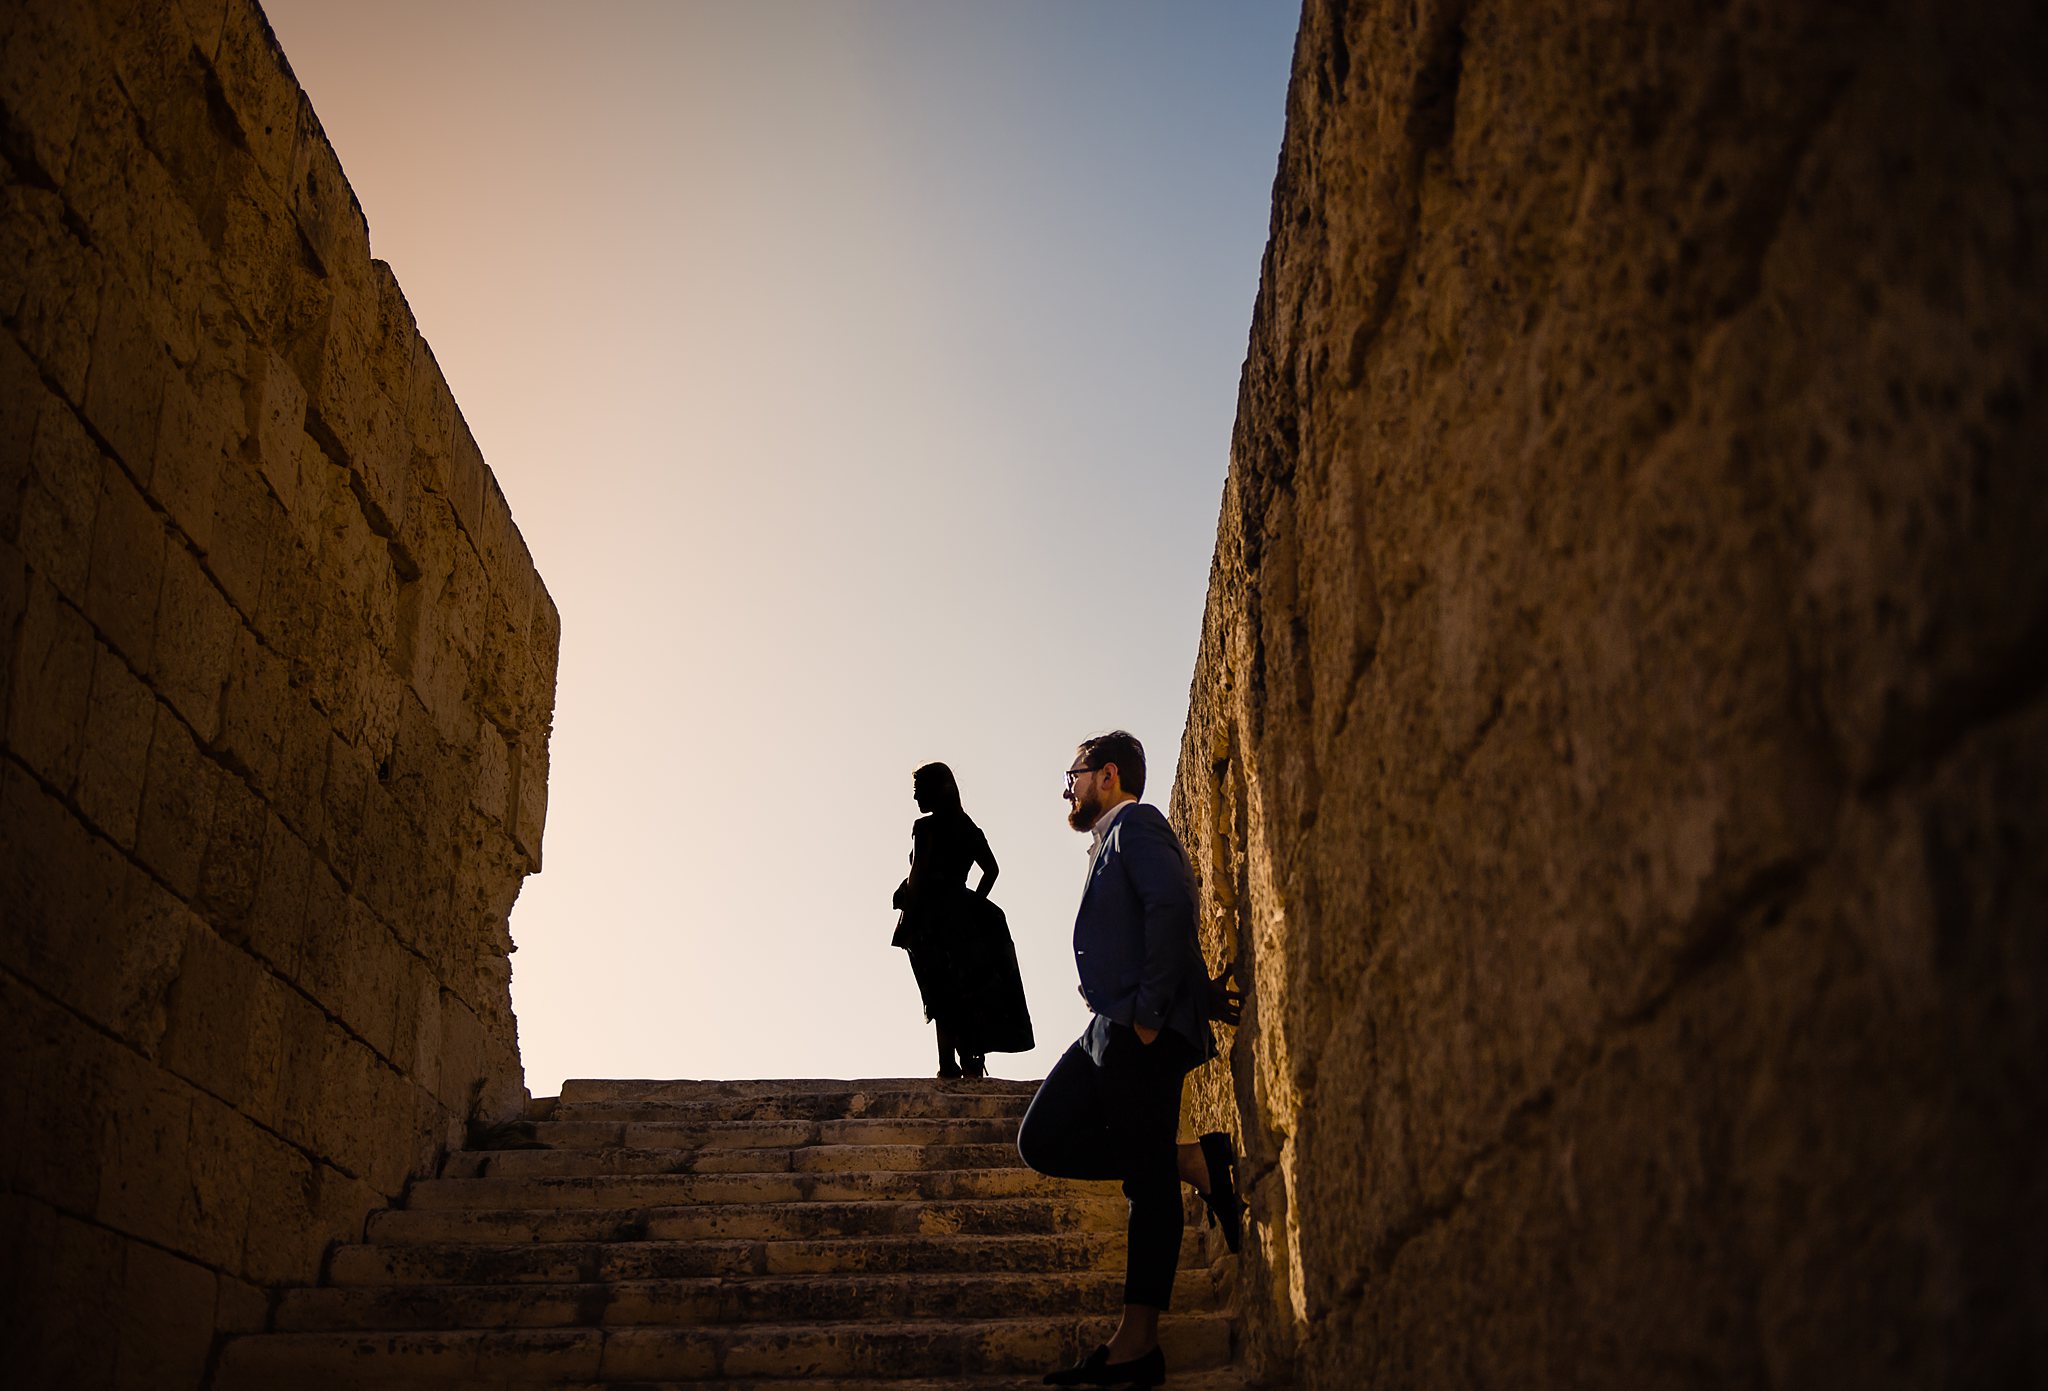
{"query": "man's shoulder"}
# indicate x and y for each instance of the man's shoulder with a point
(1146, 815)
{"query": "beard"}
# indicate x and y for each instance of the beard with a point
(1085, 811)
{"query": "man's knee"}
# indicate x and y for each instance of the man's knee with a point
(1034, 1145)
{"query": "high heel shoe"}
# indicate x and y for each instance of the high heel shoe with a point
(973, 1065)
(1226, 1209)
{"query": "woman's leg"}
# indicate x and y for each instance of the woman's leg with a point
(947, 1066)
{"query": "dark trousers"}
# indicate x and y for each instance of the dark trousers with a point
(1119, 1120)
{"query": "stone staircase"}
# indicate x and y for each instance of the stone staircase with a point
(799, 1235)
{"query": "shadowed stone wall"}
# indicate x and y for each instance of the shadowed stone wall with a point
(276, 676)
(1618, 746)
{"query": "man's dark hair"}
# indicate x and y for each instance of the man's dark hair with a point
(1122, 748)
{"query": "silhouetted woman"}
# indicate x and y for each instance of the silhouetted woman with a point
(959, 943)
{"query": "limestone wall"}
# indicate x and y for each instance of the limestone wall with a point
(1618, 743)
(276, 674)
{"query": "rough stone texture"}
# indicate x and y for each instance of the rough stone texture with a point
(266, 632)
(811, 1234)
(1618, 746)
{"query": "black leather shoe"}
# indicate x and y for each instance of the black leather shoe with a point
(1097, 1370)
(1082, 1373)
(1226, 1209)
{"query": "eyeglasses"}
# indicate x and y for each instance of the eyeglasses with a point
(1073, 773)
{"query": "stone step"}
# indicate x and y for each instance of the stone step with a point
(773, 1134)
(803, 1106)
(310, 1361)
(595, 1262)
(819, 1159)
(752, 1221)
(668, 1190)
(586, 1089)
(706, 1300)
(1207, 1379)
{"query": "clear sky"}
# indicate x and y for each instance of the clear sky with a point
(861, 376)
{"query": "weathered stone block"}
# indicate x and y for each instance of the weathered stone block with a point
(145, 1151)
(288, 616)
(277, 409)
(43, 922)
(325, 206)
(164, 1332)
(196, 630)
(52, 686)
(126, 988)
(461, 1053)
(241, 1307)
(22, 397)
(14, 587)
(245, 519)
(502, 671)
(261, 265)
(150, 52)
(55, 1098)
(491, 791)
(544, 645)
(350, 776)
(374, 979)
(347, 1123)
(58, 505)
(468, 477)
(254, 81)
(127, 568)
(124, 386)
(276, 924)
(49, 285)
(190, 447)
(430, 423)
(177, 800)
(302, 1078)
(286, 1242)
(387, 873)
(234, 854)
(179, 272)
(223, 1148)
(207, 1039)
(69, 1299)
(46, 48)
(302, 767)
(416, 1028)
(115, 752)
(529, 795)
(254, 707)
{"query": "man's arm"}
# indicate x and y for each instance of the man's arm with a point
(1158, 872)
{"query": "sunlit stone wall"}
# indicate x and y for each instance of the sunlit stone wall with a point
(276, 676)
(1619, 748)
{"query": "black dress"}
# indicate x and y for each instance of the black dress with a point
(959, 942)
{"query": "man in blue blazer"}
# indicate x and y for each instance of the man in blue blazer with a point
(1110, 1108)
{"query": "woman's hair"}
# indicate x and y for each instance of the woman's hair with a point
(936, 781)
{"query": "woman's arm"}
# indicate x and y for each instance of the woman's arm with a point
(986, 858)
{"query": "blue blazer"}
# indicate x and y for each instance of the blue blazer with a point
(1134, 936)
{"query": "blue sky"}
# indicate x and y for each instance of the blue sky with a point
(862, 378)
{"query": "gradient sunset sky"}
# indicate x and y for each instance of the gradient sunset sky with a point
(861, 376)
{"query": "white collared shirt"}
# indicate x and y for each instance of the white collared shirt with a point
(1101, 826)
(1100, 838)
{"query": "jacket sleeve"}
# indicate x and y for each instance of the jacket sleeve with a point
(1158, 872)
